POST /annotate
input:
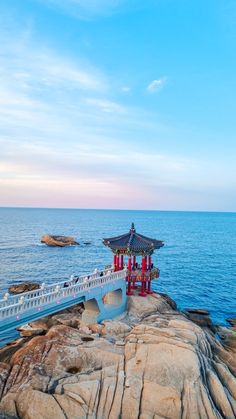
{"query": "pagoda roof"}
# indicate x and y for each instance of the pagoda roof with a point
(132, 243)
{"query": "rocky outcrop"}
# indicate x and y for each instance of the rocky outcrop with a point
(60, 241)
(23, 287)
(153, 363)
(200, 317)
(232, 321)
(28, 331)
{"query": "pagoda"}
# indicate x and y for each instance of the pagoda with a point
(134, 245)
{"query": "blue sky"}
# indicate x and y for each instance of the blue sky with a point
(118, 104)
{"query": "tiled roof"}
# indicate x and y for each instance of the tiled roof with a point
(132, 243)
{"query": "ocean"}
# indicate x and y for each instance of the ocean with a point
(197, 263)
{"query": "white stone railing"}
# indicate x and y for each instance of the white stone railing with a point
(46, 295)
(13, 299)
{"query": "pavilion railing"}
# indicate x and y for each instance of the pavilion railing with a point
(137, 275)
(14, 305)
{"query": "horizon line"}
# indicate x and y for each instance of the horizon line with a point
(115, 209)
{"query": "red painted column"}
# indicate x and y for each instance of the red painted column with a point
(146, 268)
(144, 265)
(118, 262)
(129, 292)
(129, 264)
(142, 293)
(133, 267)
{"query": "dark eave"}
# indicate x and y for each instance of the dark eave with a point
(132, 243)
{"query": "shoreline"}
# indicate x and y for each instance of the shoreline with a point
(200, 316)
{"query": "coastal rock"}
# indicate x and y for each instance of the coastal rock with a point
(115, 328)
(96, 328)
(140, 307)
(84, 329)
(60, 241)
(28, 330)
(35, 404)
(201, 311)
(68, 319)
(23, 287)
(169, 300)
(228, 336)
(41, 323)
(199, 316)
(232, 321)
(161, 365)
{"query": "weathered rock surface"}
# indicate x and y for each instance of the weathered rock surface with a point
(23, 287)
(199, 316)
(60, 241)
(28, 330)
(160, 365)
(232, 321)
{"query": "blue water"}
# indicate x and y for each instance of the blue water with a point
(197, 263)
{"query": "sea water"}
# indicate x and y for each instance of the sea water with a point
(197, 262)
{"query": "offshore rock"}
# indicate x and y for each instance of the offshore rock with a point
(23, 287)
(60, 241)
(160, 365)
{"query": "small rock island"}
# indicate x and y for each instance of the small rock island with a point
(60, 241)
(23, 287)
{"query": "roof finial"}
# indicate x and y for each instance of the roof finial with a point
(132, 227)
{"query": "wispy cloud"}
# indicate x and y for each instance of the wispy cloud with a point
(86, 9)
(106, 105)
(156, 85)
(30, 68)
(126, 89)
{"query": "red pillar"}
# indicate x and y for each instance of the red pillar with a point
(129, 292)
(118, 262)
(144, 265)
(114, 263)
(146, 268)
(133, 267)
(129, 264)
(142, 293)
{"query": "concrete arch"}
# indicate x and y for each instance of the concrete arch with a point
(113, 298)
(91, 312)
